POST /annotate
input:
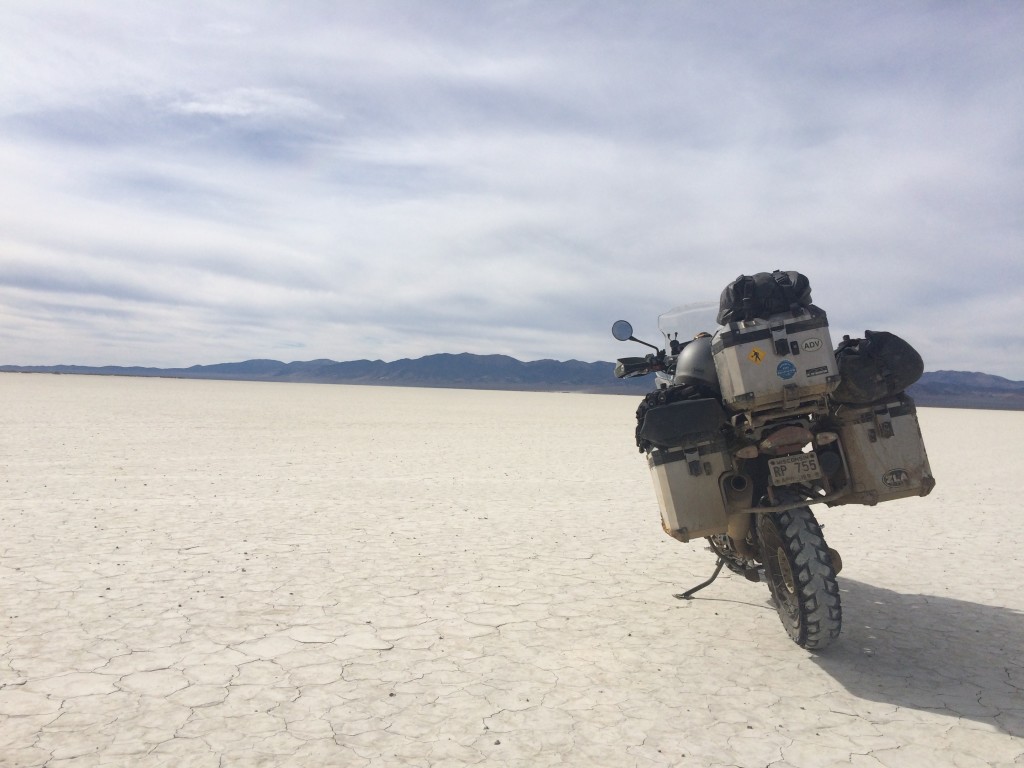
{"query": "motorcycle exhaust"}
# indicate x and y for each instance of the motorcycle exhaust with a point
(738, 490)
(737, 528)
(738, 483)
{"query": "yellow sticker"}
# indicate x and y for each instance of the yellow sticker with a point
(756, 356)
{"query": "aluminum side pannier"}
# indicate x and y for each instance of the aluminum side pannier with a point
(687, 456)
(885, 454)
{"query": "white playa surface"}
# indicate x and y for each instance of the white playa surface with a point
(234, 574)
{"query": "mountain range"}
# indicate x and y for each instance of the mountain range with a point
(948, 389)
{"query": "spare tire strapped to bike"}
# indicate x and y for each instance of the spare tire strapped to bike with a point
(879, 365)
(655, 436)
(682, 423)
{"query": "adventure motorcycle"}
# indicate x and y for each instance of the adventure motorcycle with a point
(742, 433)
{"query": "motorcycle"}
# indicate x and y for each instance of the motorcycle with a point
(742, 436)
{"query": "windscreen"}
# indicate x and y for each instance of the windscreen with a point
(686, 321)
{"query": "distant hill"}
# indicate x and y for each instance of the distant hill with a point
(948, 389)
(459, 371)
(961, 389)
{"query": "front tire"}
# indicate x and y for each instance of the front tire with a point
(801, 576)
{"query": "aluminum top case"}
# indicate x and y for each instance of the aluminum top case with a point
(780, 362)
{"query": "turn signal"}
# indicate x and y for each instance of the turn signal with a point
(746, 452)
(826, 438)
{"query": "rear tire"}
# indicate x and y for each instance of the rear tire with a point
(801, 576)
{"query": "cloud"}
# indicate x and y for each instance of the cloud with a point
(245, 103)
(194, 183)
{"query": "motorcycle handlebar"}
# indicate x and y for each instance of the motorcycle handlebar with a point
(628, 367)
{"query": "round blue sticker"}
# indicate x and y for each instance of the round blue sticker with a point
(786, 370)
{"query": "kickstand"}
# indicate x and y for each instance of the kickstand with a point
(688, 594)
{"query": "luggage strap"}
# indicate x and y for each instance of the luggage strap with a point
(748, 298)
(778, 331)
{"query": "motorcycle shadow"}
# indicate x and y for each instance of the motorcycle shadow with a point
(930, 653)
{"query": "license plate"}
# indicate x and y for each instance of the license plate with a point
(794, 469)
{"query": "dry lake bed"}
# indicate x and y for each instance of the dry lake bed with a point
(248, 574)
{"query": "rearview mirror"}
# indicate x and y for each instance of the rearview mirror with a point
(622, 330)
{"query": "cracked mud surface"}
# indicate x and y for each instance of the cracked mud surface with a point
(232, 574)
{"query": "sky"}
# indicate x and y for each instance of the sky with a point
(200, 182)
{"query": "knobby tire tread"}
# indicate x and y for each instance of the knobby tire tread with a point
(820, 616)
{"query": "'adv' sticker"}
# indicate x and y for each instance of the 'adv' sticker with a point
(786, 370)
